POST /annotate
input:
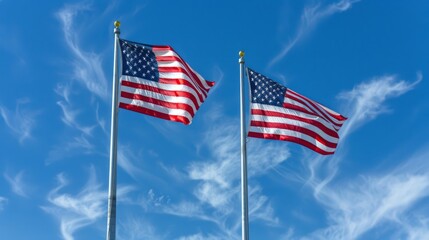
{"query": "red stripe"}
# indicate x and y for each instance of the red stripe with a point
(162, 91)
(299, 129)
(179, 81)
(321, 114)
(315, 104)
(162, 48)
(191, 73)
(158, 102)
(181, 70)
(315, 123)
(153, 113)
(196, 78)
(290, 139)
(300, 109)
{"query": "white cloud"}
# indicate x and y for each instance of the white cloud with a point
(3, 202)
(70, 114)
(200, 236)
(128, 161)
(260, 207)
(189, 209)
(367, 100)
(22, 122)
(76, 212)
(69, 118)
(363, 204)
(64, 150)
(416, 229)
(369, 202)
(311, 16)
(218, 189)
(101, 121)
(218, 181)
(17, 184)
(364, 102)
(87, 65)
(138, 229)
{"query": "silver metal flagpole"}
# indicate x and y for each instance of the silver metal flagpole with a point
(111, 209)
(244, 194)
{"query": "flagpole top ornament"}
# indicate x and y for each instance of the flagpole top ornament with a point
(241, 53)
(117, 24)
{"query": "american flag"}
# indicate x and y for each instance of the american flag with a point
(156, 81)
(282, 114)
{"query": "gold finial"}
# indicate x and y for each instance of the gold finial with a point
(117, 24)
(241, 53)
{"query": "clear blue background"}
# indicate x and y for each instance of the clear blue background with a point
(368, 60)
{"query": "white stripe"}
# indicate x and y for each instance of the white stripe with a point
(161, 109)
(179, 75)
(187, 73)
(165, 53)
(310, 127)
(332, 112)
(315, 109)
(170, 53)
(292, 134)
(165, 98)
(171, 64)
(298, 104)
(318, 109)
(327, 124)
(164, 86)
(200, 78)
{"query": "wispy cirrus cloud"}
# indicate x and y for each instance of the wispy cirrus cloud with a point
(261, 208)
(361, 205)
(87, 66)
(367, 100)
(187, 209)
(364, 102)
(310, 17)
(76, 212)
(218, 183)
(137, 229)
(127, 160)
(367, 203)
(218, 188)
(22, 121)
(70, 114)
(416, 228)
(82, 209)
(70, 117)
(17, 184)
(80, 143)
(3, 202)
(200, 236)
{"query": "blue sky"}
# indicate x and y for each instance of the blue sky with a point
(368, 60)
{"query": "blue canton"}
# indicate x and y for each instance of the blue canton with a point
(264, 90)
(138, 61)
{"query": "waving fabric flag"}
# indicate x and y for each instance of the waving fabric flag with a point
(279, 113)
(156, 81)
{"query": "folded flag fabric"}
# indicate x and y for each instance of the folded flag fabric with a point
(156, 81)
(279, 113)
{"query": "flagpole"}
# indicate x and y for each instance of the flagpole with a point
(111, 209)
(244, 194)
